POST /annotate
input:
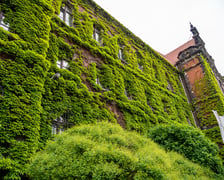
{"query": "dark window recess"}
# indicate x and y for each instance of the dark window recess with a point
(156, 71)
(140, 67)
(189, 122)
(148, 103)
(61, 123)
(75, 56)
(20, 138)
(1, 91)
(96, 35)
(97, 81)
(2, 23)
(66, 15)
(165, 105)
(121, 56)
(62, 64)
(128, 95)
(169, 86)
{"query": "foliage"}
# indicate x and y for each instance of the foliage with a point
(190, 142)
(209, 97)
(31, 98)
(106, 151)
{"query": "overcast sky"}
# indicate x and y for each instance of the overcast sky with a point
(164, 24)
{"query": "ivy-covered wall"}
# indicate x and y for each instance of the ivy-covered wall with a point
(204, 91)
(210, 97)
(23, 69)
(138, 92)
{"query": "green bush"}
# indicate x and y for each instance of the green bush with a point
(106, 151)
(189, 142)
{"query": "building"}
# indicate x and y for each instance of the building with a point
(203, 84)
(67, 63)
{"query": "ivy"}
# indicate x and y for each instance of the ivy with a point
(35, 91)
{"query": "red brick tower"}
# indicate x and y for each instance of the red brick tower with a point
(202, 82)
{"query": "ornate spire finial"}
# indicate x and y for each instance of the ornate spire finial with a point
(191, 26)
(197, 38)
(194, 30)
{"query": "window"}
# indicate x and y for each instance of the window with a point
(58, 125)
(61, 123)
(169, 86)
(166, 107)
(66, 15)
(98, 81)
(127, 95)
(75, 56)
(2, 23)
(140, 67)
(148, 103)
(1, 91)
(121, 54)
(62, 64)
(96, 35)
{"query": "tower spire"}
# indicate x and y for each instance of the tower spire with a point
(196, 37)
(194, 30)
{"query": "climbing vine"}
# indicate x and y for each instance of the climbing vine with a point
(140, 91)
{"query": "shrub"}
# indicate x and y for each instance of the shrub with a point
(189, 142)
(106, 151)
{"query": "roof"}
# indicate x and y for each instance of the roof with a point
(172, 57)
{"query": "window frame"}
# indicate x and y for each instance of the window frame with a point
(121, 54)
(64, 12)
(58, 125)
(61, 123)
(60, 64)
(140, 66)
(127, 94)
(169, 86)
(4, 25)
(97, 81)
(97, 35)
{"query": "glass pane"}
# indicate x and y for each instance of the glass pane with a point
(120, 54)
(61, 130)
(140, 67)
(2, 24)
(68, 19)
(54, 129)
(61, 15)
(59, 64)
(96, 36)
(98, 81)
(60, 119)
(65, 64)
(125, 92)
